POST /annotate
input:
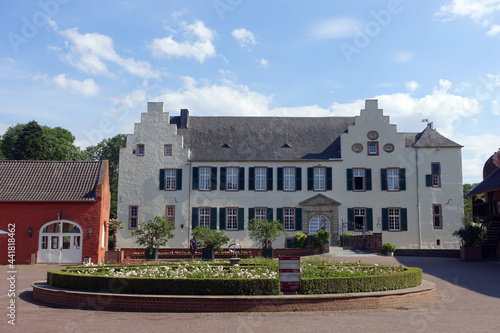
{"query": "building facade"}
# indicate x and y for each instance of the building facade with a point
(345, 174)
(54, 212)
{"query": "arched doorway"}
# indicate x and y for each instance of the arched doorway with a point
(60, 242)
(318, 222)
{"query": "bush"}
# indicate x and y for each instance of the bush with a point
(388, 247)
(321, 238)
(210, 238)
(299, 240)
(344, 239)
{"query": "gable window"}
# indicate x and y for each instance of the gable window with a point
(260, 179)
(231, 218)
(437, 216)
(393, 179)
(232, 179)
(170, 213)
(133, 212)
(289, 218)
(167, 150)
(170, 179)
(373, 148)
(358, 178)
(205, 179)
(140, 149)
(319, 179)
(288, 179)
(204, 217)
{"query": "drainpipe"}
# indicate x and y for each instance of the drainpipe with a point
(188, 222)
(418, 202)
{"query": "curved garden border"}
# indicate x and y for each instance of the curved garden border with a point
(391, 299)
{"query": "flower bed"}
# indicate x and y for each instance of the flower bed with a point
(253, 277)
(185, 254)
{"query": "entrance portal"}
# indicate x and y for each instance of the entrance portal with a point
(60, 242)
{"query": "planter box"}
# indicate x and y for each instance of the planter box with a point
(151, 256)
(267, 253)
(112, 257)
(470, 253)
(207, 254)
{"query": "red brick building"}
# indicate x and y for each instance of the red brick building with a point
(56, 212)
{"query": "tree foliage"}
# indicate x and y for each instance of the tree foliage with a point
(265, 232)
(30, 144)
(210, 238)
(109, 149)
(154, 233)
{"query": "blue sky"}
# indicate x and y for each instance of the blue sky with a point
(91, 66)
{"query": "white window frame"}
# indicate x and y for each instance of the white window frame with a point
(133, 215)
(232, 178)
(205, 176)
(289, 218)
(260, 179)
(372, 148)
(358, 173)
(359, 212)
(319, 178)
(170, 179)
(170, 213)
(393, 179)
(439, 216)
(261, 213)
(204, 217)
(288, 179)
(167, 150)
(394, 219)
(231, 218)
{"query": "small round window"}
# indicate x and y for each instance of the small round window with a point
(372, 135)
(389, 148)
(357, 147)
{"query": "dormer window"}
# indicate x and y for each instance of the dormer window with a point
(373, 148)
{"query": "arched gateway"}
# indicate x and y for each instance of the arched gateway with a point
(60, 242)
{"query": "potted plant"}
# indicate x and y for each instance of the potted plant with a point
(265, 232)
(389, 249)
(153, 234)
(209, 239)
(472, 236)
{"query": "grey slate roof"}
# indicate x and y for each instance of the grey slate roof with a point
(48, 181)
(430, 138)
(490, 183)
(263, 138)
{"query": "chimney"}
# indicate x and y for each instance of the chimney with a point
(184, 118)
(155, 107)
(371, 104)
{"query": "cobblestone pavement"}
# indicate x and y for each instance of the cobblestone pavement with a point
(469, 301)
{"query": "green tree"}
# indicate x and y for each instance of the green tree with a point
(265, 232)
(109, 149)
(154, 233)
(9, 139)
(210, 238)
(60, 143)
(1, 154)
(30, 144)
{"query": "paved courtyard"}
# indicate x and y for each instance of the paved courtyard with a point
(469, 301)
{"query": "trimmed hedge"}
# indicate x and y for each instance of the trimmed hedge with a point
(411, 277)
(161, 286)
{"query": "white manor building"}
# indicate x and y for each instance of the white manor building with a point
(342, 173)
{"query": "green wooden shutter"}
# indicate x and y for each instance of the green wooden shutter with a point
(298, 179)
(251, 213)
(213, 186)
(404, 219)
(329, 179)
(222, 178)
(279, 214)
(241, 219)
(402, 179)
(194, 217)
(385, 219)
(310, 179)
(162, 179)
(383, 179)
(349, 179)
(269, 179)
(298, 219)
(279, 186)
(195, 178)
(270, 214)
(213, 218)
(350, 218)
(368, 179)
(436, 169)
(369, 219)
(178, 183)
(428, 180)
(222, 218)
(251, 178)
(241, 175)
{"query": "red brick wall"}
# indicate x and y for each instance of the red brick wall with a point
(372, 242)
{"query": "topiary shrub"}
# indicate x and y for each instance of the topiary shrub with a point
(388, 247)
(321, 238)
(299, 240)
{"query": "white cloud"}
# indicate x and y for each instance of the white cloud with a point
(494, 30)
(86, 87)
(130, 100)
(402, 57)
(336, 28)
(244, 37)
(475, 9)
(263, 63)
(198, 44)
(477, 149)
(411, 86)
(91, 52)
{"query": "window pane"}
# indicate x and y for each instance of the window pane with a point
(204, 217)
(261, 213)
(232, 179)
(205, 180)
(319, 179)
(231, 219)
(358, 179)
(394, 221)
(66, 242)
(260, 179)
(44, 242)
(393, 179)
(372, 149)
(289, 179)
(168, 150)
(289, 218)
